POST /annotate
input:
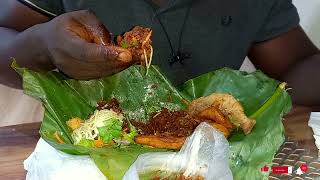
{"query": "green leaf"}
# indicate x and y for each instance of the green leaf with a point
(254, 90)
(140, 95)
(114, 162)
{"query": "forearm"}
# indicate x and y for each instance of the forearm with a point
(26, 48)
(304, 79)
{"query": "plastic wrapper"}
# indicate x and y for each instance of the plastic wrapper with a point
(47, 163)
(314, 123)
(205, 155)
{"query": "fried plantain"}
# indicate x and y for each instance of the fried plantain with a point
(169, 142)
(214, 114)
(221, 128)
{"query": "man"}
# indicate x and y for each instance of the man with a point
(190, 37)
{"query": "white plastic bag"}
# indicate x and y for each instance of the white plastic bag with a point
(314, 123)
(204, 154)
(47, 163)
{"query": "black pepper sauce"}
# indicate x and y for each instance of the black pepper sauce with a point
(113, 105)
(167, 123)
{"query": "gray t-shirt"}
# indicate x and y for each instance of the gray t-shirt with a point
(217, 33)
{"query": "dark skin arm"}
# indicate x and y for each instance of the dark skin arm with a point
(11, 44)
(293, 58)
(77, 43)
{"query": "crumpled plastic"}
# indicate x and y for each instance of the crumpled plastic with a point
(314, 123)
(205, 153)
(47, 163)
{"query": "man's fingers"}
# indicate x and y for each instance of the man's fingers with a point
(86, 25)
(86, 70)
(81, 47)
(91, 52)
(90, 41)
(124, 55)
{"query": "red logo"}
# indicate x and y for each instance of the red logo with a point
(304, 168)
(265, 168)
(282, 169)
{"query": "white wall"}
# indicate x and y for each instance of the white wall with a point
(310, 18)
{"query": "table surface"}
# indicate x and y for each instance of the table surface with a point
(17, 142)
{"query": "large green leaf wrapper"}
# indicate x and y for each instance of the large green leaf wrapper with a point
(140, 95)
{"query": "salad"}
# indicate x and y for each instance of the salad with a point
(104, 127)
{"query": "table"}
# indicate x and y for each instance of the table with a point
(18, 141)
(299, 147)
(297, 129)
(16, 144)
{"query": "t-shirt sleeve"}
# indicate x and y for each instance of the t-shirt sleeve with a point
(50, 8)
(283, 16)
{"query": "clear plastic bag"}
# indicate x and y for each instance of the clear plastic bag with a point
(205, 154)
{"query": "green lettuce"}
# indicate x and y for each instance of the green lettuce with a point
(111, 130)
(130, 136)
(86, 143)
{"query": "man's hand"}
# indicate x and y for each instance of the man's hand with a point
(79, 45)
(76, 43)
